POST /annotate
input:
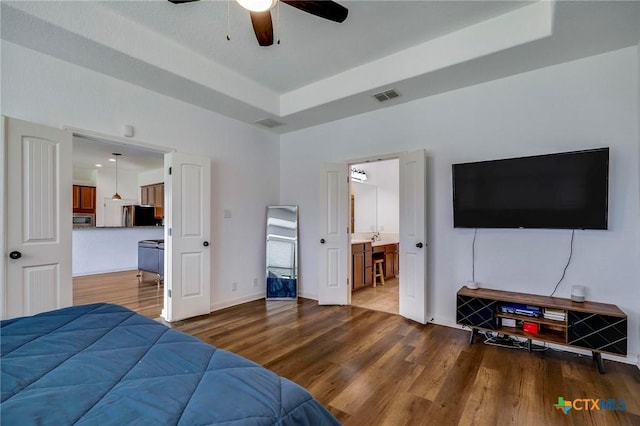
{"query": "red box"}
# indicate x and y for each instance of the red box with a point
(530, 327)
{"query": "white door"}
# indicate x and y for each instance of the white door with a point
(333, 284)
(413, 233)
(38, 219)
(187, 236)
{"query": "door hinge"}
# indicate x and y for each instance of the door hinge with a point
(169, 292)
(169, 231)
(170, 170)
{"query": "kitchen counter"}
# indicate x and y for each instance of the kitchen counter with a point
(97, 228)
(373, 243)
(109, 249)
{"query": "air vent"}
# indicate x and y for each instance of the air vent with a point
(269, 122)
(386, 95)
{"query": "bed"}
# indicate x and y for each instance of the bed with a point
(105, 364)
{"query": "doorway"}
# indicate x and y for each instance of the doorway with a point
(334, 286)
(374, 211)
(39, 182)
(105, 264)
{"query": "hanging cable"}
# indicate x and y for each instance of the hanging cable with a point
(564, 272)
(473, 256)
(228, 25)
(278, 22)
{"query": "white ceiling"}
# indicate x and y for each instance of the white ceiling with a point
(321, 71)
(311, 48)
(87, 152)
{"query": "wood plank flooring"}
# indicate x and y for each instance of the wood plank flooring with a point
(121, 288)
(383, 298)
(373, 368)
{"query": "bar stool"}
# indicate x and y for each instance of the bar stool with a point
(378, 271)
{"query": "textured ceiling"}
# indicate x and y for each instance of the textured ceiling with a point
(322, 71)
(311, 48)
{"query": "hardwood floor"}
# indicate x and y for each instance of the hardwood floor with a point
(383, 298)
(373, 368)
(121, 288)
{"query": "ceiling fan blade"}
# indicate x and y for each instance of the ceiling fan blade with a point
(323, 8)
(181, 1)
(263, 27)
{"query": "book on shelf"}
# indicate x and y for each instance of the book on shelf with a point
(516, 308)
(555, 314)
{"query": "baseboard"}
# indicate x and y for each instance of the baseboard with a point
(308, 296)
(633, 359)
(237, 301)
(84, 274)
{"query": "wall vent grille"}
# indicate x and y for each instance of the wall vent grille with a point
(386, 95)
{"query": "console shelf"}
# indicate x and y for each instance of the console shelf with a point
(598, 327)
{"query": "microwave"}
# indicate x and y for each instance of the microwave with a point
(84, 220)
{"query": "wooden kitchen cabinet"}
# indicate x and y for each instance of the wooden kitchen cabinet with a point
(84, 199)
(396, 261)
(362, 274)
(388, 252)
(153, 195)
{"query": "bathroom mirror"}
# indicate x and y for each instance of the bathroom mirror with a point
(282, 252)
(365, 207)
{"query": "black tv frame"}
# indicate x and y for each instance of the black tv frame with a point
(592, 216)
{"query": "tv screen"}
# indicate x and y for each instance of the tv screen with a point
(563, 190)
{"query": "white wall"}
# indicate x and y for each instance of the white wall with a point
(98, 251)
(85, 177)
(385, 175)
(150, 177)
(106, 187)
(583, 104)
(245, 160)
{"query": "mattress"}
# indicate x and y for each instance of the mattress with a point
(105, 364)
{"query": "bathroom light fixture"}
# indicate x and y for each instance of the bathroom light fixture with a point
(358, 174)
(116, 196)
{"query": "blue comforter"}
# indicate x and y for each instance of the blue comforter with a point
(104, 364)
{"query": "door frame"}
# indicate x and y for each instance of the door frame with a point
(351, 163)
(89, 134)
(391, 156)
(3, 217)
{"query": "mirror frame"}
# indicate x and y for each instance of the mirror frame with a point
(282, 286)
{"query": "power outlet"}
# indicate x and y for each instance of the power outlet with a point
(234, 286)
(255, 282)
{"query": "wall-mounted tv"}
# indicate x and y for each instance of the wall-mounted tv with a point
(562, 190)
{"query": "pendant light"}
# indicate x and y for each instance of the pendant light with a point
(116, 196)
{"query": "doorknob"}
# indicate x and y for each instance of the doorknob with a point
(206, 244)
(15, 255)
(419, 245)
(322, 241)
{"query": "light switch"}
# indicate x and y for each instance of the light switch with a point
(227, 213)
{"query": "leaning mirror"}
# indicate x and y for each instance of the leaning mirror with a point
(282, 252)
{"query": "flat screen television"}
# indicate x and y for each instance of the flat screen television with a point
(563, 190)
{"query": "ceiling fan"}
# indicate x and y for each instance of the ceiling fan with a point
(261, 15)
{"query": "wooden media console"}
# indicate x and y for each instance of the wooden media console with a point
(598, 327)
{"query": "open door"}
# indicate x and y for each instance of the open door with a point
(187, 236)
(333, 284)
(38, 219)
(413, 234)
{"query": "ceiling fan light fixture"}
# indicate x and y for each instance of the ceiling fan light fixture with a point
(257, 5)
